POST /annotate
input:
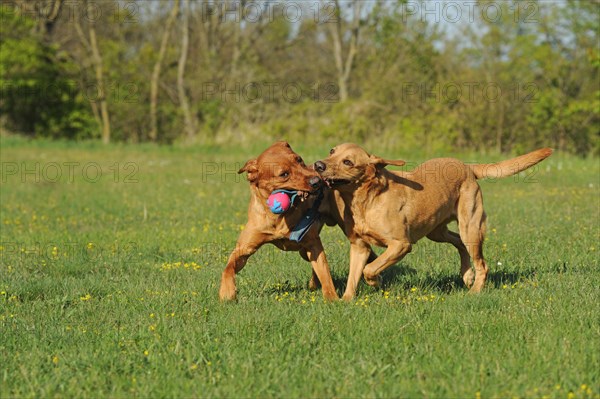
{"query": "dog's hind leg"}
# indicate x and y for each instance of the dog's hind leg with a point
(442, 234)
(314, 283)
(471, 224)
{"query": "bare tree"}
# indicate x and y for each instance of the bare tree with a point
(91, 46)
(344, 60)
(189, 126)
(156, 71)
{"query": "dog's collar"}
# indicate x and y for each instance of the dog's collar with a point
(308, 219)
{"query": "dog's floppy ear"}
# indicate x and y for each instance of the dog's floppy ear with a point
(251, 167)
(382, 163)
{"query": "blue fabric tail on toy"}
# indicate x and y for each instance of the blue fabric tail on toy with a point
(300, 230)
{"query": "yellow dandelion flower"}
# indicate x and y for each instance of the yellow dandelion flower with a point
(146, 353)
(55, 360)
(87, 297)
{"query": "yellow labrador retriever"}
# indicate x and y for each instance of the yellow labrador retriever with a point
(396, 209)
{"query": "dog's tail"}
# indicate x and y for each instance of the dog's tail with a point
(510, 166)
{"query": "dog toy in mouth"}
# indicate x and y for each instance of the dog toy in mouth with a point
(279, 202)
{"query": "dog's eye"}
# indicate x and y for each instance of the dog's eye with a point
(299, 160)
(284, 174)
(348, 162)
(331, 151)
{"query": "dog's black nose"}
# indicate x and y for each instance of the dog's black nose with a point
(320, 166)
(314, 182)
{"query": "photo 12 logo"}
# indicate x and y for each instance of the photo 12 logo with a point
(270, 92)
(116, 92)
(69, 172)
(470, 92)
(71, 11)
(45, 253)
(469, 11)
(319, 11)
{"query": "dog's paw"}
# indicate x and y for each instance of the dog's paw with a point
(348, 297)
(227, 297)
(227, 293)
(469, 278)
(330, 296)
(314, 284)
(374, 281)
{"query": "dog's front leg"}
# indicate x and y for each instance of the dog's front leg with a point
(247, 244)
(395, 251)
(318, 260)
(360, 252)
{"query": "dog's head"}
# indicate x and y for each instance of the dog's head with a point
(348, 166)
(279, 167)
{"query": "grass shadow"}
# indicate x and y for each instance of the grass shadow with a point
(499, 278)
(407, 277)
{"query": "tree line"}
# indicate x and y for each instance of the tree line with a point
(505, 75)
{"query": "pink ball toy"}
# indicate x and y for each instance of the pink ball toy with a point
(279, 202)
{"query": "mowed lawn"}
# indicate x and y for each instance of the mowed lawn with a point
(110, 266)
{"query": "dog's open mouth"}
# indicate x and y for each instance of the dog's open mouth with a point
(302, 195)
(336, 182)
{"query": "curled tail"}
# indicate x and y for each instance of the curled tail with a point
(510, 166)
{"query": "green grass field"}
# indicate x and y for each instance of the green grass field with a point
(111, 259)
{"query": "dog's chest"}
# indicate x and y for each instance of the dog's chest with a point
(368, 234)
(286, 245)
(378, 223)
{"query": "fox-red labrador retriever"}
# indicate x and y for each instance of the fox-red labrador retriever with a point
(396, 209)
(279, 167)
